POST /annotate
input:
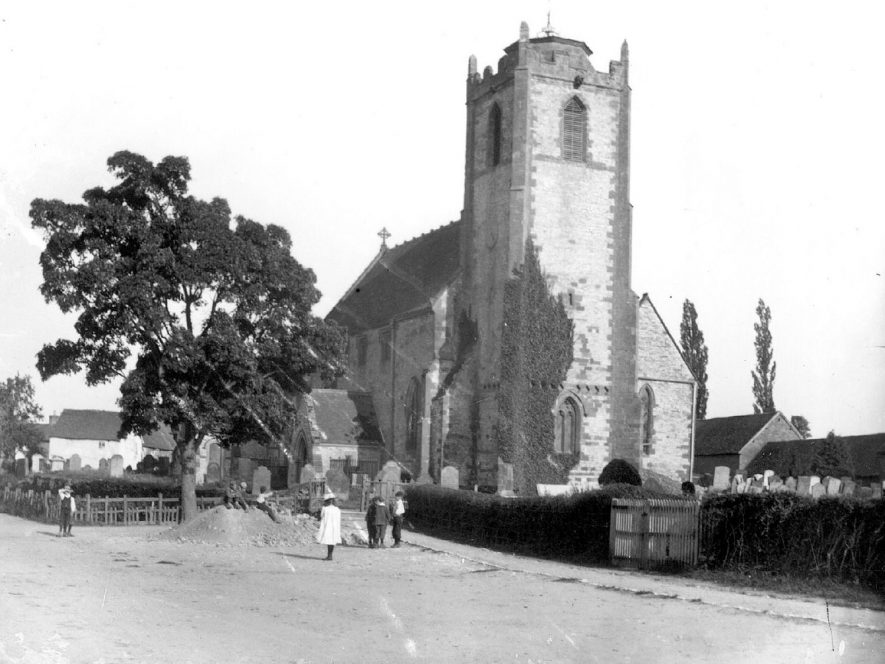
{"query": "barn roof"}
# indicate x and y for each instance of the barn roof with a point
(728, 435)
(87, 425)
(161, 439)
(867, 453)
(400, 279)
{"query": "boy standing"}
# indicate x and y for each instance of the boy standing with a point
(370, 522)
(67, 507)
(398, 511)
(382, 518)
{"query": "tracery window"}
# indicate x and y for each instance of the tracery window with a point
(414, 407)
(568, 427)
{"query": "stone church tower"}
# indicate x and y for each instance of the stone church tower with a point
(548, 166)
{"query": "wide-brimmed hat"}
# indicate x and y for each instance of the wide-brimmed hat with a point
(328, 495)
(67, 487)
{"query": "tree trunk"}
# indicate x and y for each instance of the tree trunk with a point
(187, 447)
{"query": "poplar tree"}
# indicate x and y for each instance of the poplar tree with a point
(766, 367)
(695, 352)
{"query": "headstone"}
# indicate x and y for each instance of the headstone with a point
(87, 468)
(75, 462)
(260, 478)
(338, 483)
(215, 453)
(213, 473)
(36, 460)
(742, 487)
(164, 466)
(244, 470)
(449, 477)
(790, 484)
(148, 464)
(391, 472)
(116, 466)
(775, 483)
(292, 476)
(833, 484)
(318, 464)
(21, 467)
(505, 476)
(877, 491)
(307, 474)
(817, 490)
(848, 487)
(554, 489)
(766, 477)
(803, 485)
(721, 477)
(424, 478)
(103, 466)
(756, 487)
(815, 479)
(864, 492)
(56, 464)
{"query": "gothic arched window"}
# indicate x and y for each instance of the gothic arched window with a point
(414, 407)
(574, 130)
(567, 430)
(646, 419)
(495, 135)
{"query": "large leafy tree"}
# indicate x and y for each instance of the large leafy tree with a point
(766, 367)
(18, 412)
(802, 425)
(695, 352)
(207, 319)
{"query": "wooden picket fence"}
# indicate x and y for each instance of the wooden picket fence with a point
(125, 511)
(654, 533)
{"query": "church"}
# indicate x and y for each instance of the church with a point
(509, 343)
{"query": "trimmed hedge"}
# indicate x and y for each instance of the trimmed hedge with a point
(576, 524)
(102, 486)
(837, 538)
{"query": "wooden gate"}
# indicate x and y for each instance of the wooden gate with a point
(654, 534)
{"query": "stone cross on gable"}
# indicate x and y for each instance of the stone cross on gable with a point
(384, 234)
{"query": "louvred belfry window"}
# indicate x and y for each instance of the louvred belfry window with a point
(574, 130)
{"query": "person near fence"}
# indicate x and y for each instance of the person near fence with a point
(382, 518)
(261, 504)
(397, 515)
(330, 524)
(67, 507)
(370, 521)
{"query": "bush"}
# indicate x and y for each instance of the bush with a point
(839, 538)
(101, 486)
(618, 471)
(576, 524)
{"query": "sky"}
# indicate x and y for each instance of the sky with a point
(757, 143)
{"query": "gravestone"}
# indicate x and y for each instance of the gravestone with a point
(766, 477)
(833, 484)
(21, 467)
(815, 479)
(877, 491)
(164, 466)
(864, 492)
(721, 477)
(818, 490)
(505, 476)
(75, 462)
(318, 464)
(103, 466)
(56, 464)
(449, 477)
(260, 478)
(116, 466)
(848, 487)
(67, 464)
(215, 454)
(741, 487)
(391, 472)
(307, 474)
(803, 485)
(424, 478)
(213, 473)
(775, 483)
(87, 468)
(292, 476)
(790, 484)
(338, 483)
(244, 469)
(36, 460)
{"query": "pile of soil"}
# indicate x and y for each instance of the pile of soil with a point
(224, 527)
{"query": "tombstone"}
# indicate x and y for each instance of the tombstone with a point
(87, 468)
(721, 478)
(815, 479)
(775, 483)
(803, 485)
(307, 474)
(67, 464)
(21, 467)
(36, 462)
(505, 476)
(423, 478)
(213, 473)
(215, 454)
(832, 485)
(818, 490)
(877, 491)
(391, 472)
(766, 477)
(292, 476)
(741, 487)
(164, 466)
(864, 492)
(244, 469)
(848, 487)
(449, 477)
(260, 478)
(56, 464)
(116, 466)
(338, 483)
(75, 462)
(790, 484)
(318, 464)
(103, 466)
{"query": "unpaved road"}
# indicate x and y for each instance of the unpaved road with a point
(113, 595)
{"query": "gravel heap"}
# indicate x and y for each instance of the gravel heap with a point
(224, 527)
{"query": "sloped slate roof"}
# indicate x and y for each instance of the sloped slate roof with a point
(727, 435)
(87, 425)
(344, 416)
(161, 439)
(779, 455)
(401, 279)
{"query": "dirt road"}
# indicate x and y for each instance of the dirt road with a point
(113, 595)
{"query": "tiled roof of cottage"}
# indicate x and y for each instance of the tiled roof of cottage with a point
(727, 435)
(867, 453)
(344, 416)
(87, 425)
(161, 439)
(400, 279)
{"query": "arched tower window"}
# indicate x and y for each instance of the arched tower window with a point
(567, 430)
(574, 130)
(495, 135)
(414, 407)
(646, 419)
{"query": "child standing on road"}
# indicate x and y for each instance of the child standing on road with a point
(67, 508)
(382, 518)
(398, 511)
(370, 522)
(330, 524)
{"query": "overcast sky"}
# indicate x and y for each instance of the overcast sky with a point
(757, 155)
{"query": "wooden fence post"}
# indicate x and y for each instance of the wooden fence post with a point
(88, 508)
(125, 509)
(160, 519)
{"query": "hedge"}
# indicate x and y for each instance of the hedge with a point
(576, 524)
(102, 486)
(838, 538)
